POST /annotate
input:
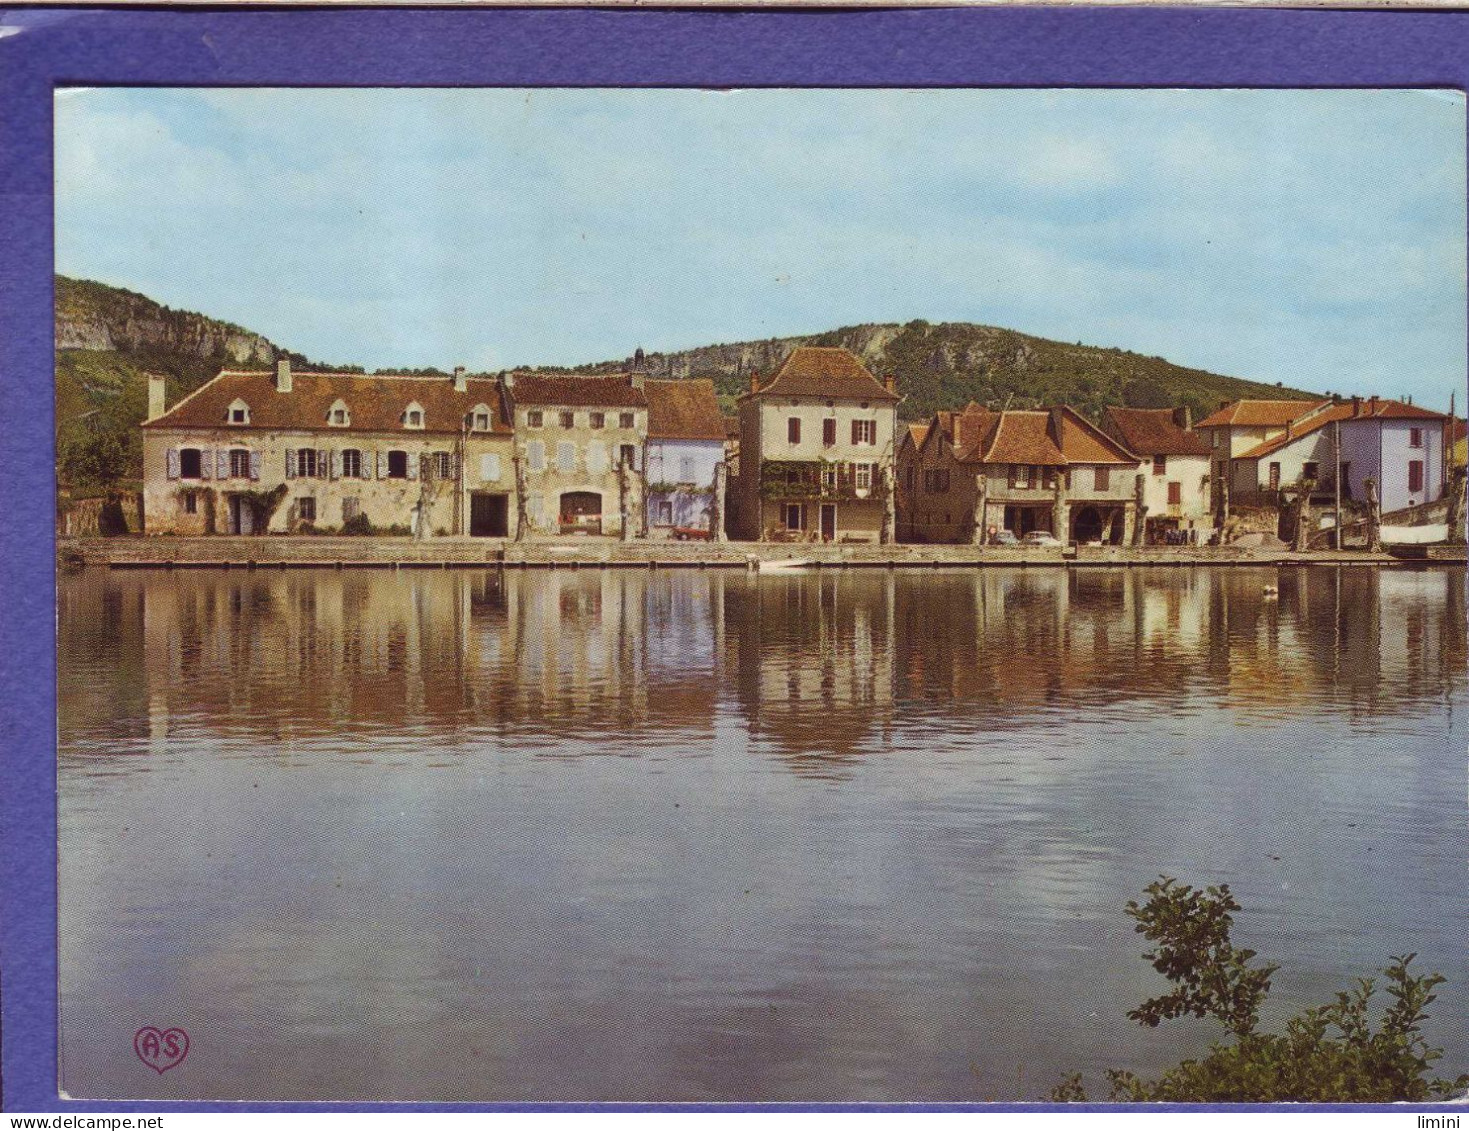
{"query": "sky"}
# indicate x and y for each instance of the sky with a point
(1315, 238)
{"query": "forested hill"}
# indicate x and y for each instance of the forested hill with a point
(949, 364)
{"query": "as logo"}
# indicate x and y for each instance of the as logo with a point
(160, 1050)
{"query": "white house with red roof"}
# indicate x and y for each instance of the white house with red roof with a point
(1175, 468)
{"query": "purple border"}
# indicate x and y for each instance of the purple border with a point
(433, 47)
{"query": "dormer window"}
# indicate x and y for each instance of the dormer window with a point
(339, 415)
(413, 416)
(237, 413)
(479, 418)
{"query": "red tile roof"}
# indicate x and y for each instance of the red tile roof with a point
(684, 410)
(576, 390)
(1046, 437)
(1154, 432)
(374, 403)
(815, 371)
(918, 433)
(1258, 414)
(1371, 408)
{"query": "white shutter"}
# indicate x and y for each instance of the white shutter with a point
(323, 463)
(382, 465)
(172, 458)
(489, 467)
(290, 463)
(412, 462)
(222, 463)
(566, 456)
(536, 455)
(206, 463)
(254, 465)
(336, 463)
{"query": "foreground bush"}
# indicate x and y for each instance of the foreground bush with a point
(1330, 1054)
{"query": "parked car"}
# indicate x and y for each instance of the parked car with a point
(1004, 538)
(1041, 538)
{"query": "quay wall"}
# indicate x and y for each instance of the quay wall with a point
(388, 552)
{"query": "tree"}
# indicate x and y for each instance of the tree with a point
(1329, 1054)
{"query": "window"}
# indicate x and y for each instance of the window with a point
(397, 465)
(479, 418)
(239, 413)
(627, 456)
(1160, 465)
(351, 463)
(1103, 478)
(1415, 476)
(191, 502)
(306, 509)
(305, 463)
(489, 466)
(1275, 477)
(828, 432)
(351, 508)
(596, 458)
(864, 431)
(481, 422)
(829, 477)
(534, 418)
(338, 416)
(795, 516)
(442, 464)
(1311, 471)
(565, 456)
(665, 513)
(686, 469)
(910, 475)
(413, 416)
(1214, 437)
(1021, 475)
(625, 420)
(239, 463)
(863, 478)
(934, 482)
(1415, 437)
(535, 507)
(793, 430)
(191, 464)
(596, 419)
(535, 455)
(1175, 494)
(568, 420)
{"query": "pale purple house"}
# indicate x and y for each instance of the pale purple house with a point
(686, 434)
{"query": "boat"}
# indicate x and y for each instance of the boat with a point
(784, 565)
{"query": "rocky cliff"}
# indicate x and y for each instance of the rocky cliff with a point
(92, 316)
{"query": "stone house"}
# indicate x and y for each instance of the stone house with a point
(1240, 426)
(580, 444)
(904, 496)
(261, 452)
(1175, 469)
(1400, 446)
(816, 451)
(978, 472)
(686, 470)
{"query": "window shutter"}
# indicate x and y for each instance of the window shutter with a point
(222, 464)
(412, 467)
(323, 463)
(1012, 476)
(254, 465)
(290, 463)
(336, 463)
(173, 463)
(382, 465)
(206, 463)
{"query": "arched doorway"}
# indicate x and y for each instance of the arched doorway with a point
(1087, 525)
(581, 512)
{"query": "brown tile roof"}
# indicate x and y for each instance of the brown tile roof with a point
(814, 371)
(375, 403)
(918, 433)
(1372, 408)
(576, 390)
(1047, 437)
(1154, 432)
(684, 410)
(1258, 414)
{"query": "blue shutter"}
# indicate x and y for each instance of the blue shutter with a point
(254, 465)
(173, 463)
(290, 463)
(206, 463)
(412, 462)
(222, 463)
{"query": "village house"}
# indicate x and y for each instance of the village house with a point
(1236, 428)
(257, 452)
(686, 469)
(977, 472)
(816, 451)
(1400, 446)
(911, 442)
(580, 445)
(1175, 469)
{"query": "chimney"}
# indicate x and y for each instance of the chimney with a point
(1356, 406)
(283, 374)
(754, 380)
(508, 380)
(1183, 416)
(1223, 405)
(891, 383)
(638, 380)
(1372, 405)
(459, 385)
(157, 402)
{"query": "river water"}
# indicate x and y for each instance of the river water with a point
(703, 836)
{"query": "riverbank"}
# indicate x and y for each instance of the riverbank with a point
(315, 552)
